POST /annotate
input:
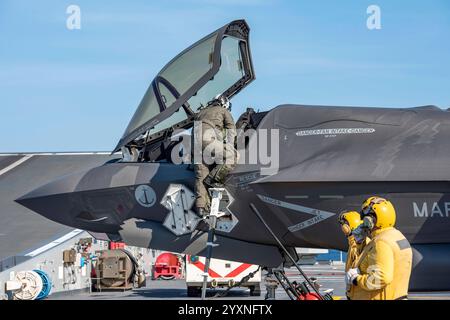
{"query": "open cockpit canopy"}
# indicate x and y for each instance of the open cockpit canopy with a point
(220, 63)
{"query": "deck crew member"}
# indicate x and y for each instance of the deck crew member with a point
(383, 269)
(350, 221)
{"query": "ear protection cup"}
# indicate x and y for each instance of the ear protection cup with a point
(346, 229)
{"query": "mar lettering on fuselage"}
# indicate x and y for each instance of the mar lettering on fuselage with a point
(435, 209)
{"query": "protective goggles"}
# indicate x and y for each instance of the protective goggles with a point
(341, 218)
(366, 211)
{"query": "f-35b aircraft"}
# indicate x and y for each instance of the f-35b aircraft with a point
(330, 159)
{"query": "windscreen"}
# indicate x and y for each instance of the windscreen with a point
(230, 72)
(181, 73)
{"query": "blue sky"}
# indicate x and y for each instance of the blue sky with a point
(63, 90)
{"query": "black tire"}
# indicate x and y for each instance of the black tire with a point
(255, 291)
(193, 291)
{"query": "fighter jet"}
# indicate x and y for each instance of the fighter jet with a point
(330, 159)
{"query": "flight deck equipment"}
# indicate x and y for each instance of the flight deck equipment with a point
(29, 285)
(294, 291)
(117, 269)
(167, 267)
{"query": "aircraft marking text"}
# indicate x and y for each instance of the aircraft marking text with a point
(319, 215)
(425, 210)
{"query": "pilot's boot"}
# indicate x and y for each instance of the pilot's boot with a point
(212, 183)
(202, 212)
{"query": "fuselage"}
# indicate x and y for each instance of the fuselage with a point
(331, 159)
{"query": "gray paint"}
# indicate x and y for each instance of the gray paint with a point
(6, 160)
(407, 145)
(153, 235)
(20, 228)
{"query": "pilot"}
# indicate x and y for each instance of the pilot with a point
(350, 221)
(383, 268)
(218, 133)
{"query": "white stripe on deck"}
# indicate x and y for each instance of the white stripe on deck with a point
(15, 164)
(54, 243)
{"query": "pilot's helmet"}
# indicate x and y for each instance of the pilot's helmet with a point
(221, 100)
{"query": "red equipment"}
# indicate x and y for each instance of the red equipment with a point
(303, 292)
(167, 267)
(116, 245)
(308, 296)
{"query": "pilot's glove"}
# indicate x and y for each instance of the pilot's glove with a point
(351, 275)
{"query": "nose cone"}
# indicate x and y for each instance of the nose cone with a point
(72, 202)
(49, 206)
(98, 200)
(53, 200)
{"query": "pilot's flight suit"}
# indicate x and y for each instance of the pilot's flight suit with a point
(385, 267)
(218, 132)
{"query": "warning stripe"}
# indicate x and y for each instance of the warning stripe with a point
(211, 272)
(238, 270)
(214, 274)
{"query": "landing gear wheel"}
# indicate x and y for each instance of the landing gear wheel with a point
(193, 291)
(255, 291)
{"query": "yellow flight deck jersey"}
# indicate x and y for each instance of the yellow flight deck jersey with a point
(385, 267)
(354, 250)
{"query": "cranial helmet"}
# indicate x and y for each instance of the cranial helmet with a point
(381, 210)
(349, 221)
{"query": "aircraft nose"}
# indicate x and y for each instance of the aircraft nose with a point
(88, 200)
(91, 210)
(53, 199)
(99, 199)
(102, 198)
